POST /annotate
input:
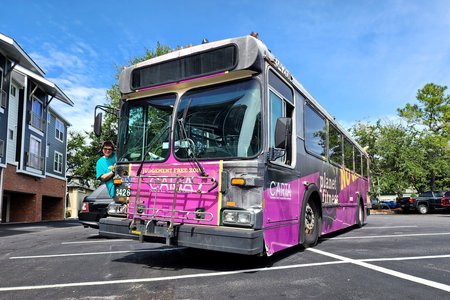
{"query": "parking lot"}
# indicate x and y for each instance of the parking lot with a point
(392, 257)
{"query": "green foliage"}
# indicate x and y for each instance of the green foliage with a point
(416, 155)
(84, 148)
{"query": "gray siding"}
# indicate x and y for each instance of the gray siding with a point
(55, 145)
(3, 110)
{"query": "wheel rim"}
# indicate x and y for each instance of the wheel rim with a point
(309, 219)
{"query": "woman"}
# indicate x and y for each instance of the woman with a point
(105, 166)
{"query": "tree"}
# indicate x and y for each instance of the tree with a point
(432, 116)
(416, 155)
(84, 148)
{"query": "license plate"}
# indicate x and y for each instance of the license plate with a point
(123, 191)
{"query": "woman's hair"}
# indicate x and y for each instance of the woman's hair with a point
(108, 143)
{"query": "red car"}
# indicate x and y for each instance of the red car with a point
(445, 201)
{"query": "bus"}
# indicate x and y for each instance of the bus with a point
(219, 147)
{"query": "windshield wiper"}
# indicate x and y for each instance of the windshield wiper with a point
(191, 145)
(151, 144)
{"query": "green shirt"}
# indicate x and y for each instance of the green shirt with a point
(102, 167)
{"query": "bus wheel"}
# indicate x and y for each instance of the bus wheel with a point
(360, 216)
(312, 224)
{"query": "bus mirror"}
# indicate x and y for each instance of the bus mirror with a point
(283, 130)
(98, 124)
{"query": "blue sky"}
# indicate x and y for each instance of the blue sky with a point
(360, 59)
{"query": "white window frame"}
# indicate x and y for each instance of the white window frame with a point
(58, 162)
(59, 132)
(35, 115)
(38, 158)
(3, 95)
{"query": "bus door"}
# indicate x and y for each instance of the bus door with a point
(281, 205)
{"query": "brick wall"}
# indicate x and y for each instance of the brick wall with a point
(34, 199)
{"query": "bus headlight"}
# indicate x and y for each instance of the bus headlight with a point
(238, 218)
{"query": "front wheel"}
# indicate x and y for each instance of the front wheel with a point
(312, 225)
(423, 209)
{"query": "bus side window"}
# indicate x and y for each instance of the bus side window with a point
(315, 131)
(348, 155)
(358, 165)
(280, 106)
(365, 167)
(335, 145)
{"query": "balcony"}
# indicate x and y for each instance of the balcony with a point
(34, 161)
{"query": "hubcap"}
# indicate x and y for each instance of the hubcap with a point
(309, 219)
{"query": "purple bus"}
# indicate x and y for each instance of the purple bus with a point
(220, 147)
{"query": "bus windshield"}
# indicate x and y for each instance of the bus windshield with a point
(219, 122)
(145, 128)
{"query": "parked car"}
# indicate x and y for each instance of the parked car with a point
(95, 207)
(387, 204)
(426, 201)
(383, 204)
(445, 201)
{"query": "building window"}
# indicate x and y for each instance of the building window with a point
(59, 131)
(2, 147)
(58, 162)
(37, 114)
(3, 95)
(35, 160)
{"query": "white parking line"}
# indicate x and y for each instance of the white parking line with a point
(384, 236)
(340, 260)
(388, 227)
(401, 275)
(93, 242)
(140, 280)
(406, 258)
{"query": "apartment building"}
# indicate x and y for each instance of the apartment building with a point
(33, 140)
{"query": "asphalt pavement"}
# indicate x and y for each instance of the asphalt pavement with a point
(394, 256)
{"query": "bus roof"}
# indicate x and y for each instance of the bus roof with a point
(249, 50)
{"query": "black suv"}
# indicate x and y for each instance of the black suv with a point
(95, 207)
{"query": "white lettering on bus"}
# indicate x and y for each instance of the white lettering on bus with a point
(280, 190)
(328, 189)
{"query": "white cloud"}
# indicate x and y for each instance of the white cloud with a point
(72, 69)
(81, 115)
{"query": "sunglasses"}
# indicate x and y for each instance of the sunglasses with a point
(108, 149)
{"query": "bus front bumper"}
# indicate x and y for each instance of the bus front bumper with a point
(216, 238)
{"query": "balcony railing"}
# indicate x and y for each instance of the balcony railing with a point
(3, 99)
(35, 161)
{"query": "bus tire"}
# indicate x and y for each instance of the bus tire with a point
(312, 224)
(360, 215)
